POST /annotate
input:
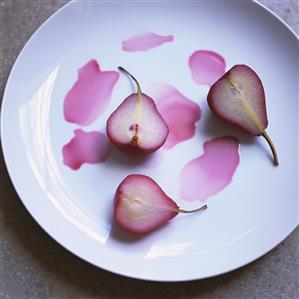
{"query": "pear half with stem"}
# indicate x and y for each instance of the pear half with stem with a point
(238, 97)
(136, 126)
(140, 204)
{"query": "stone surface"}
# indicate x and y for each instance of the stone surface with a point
(32, 265)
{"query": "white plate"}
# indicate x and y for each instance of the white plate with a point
(244, 221)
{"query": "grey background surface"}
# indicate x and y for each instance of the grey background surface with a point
(32, 265)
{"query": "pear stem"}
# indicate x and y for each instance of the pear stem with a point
(133, 78)
(192, 211)
(268, 139)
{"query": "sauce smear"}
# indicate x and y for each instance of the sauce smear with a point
(206, 66)
(86, 147)
(145, 42)
(90, 94)
(211, 172)
(179, 112)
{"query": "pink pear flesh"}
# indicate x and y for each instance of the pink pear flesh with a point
(140, 204)
(238, 97)
(136, 126)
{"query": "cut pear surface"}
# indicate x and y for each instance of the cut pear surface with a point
(140, 204)
(136, 126)
(238, 97)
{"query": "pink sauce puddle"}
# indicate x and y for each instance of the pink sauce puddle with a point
(180, 114)
(86, 147)
(90, 94)
(145, 42)
(211, 172)
(206, 66)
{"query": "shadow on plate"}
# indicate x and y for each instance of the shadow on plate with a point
(214, 127)
(122, 160)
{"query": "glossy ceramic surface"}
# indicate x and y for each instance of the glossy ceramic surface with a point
(255, 212)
